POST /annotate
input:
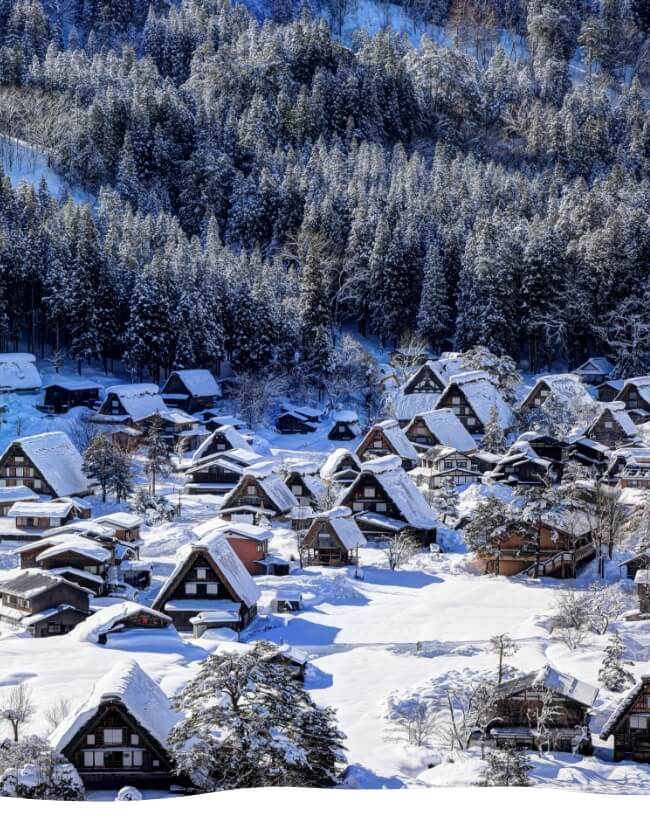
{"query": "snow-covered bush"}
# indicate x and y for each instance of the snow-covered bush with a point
(129, 794)
(156, 510)
(31, 769)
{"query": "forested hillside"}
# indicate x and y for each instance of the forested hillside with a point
(259, 182)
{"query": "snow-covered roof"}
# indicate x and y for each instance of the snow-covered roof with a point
(33, 582)
(332, 465)
(303, 467)
(94, 553)
(140, 400)
(55, 456)
(575, 522)
(200, 383)
(395, 436)
(271, 484)
(624, 704)
(128, 684)
(345, 527)
(446, 427)
(311, 413)
(234, 440)
(595, 366)
(401, 490)
(345, 416)
(18, 371)
(549, 678)
(482, 395)
(247, 530)
(619, 415)
(77, 573)
(218, 550)
(105, 619)
(120, 519)
(71, 383)
(566, 387)
(32, 508)
(441, 369)
(408, 406)
(12, 494)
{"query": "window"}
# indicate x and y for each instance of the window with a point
(357, 506)
(221, 447)
(132, 758)
(251, 491)
(90, 738)
(135, 738)
(201, 573)
(638, 722)
(456, 400)
(369, 491)
(471, 421)
(608, 424)
(190, 588)
(377, 443)
(93, 758)
(213, 588)
(19, 459)
(155, 762)
(112, 736)
(381, 507)
(296, 489)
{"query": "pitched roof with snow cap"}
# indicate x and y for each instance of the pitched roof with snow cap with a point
(33, 582)
(566, 387)
(345, 527)
(33, 508)
(332, 465)
(14, 494)
(445, 426)
(95, 553)
(597, 366)
(57, 459)
(619, 415)
(624, 704)
(105, 619)
(400, 489)
(139, 400)
(482, 395)
(395, 436)
(234, 439)
(71, 383)
(200, 383)
(218, 550)
(549, 678)
(128, 684)
(247, 530)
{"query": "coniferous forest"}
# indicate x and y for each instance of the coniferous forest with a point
(260, 182)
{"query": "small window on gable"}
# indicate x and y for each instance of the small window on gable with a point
(190, 588)
(90, 738)
(212, 588)
(201, 573)
(638, 722)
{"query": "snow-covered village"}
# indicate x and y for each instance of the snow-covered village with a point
(324, 398)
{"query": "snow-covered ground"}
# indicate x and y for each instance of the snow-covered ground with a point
(369, 637)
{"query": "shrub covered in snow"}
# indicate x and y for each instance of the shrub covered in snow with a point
(31, 769)
(129, 794)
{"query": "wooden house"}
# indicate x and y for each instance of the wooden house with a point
(221, 440)
(595, 371)
(639, 562)
(118, 736)
(87, 565)
(262, 489)
(297, 420)
(473, 398)
(63, 393)
(130, 403)
(124, 525)
(333, 539)
(213, 420)
(590, 454)
(385, 501)
(340, 468)
(635, 394)
(249, 542)
(209, 585)
(629, 724)
(629, 468)
(544, 710)
(565, 387)
(613, 427)
(440, 427)
(387, 438)
(304, 482)
(608, 391)
(47, 463)
(442, 463)
(219, 474)
(420, 392)
(192, 390)
(556, 546)
(18, 372)
(42, 516)
(118, 618)
(642, 584)
(45, 604)
(345, 426)
(523, 466)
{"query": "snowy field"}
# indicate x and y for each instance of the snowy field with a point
(370, 638)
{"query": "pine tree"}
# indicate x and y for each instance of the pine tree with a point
(507, 767)
(158, 459)
(434, 312)
(494, 439)
(248, 722)
(99, 462)
(612, 674)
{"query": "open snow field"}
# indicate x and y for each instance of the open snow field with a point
(368, 637)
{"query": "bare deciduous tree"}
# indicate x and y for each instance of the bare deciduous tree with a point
(504, 646)
(57, 712)
(17, 708)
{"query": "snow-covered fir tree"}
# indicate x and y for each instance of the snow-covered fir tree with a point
(612, 674)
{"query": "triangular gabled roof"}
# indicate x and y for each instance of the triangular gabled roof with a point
(225, 563)
(549, 678)
(597, 365)
(447, 429)
(200, 383)
(57, 459)
(482, 395)
(128, 684)
(622, 708)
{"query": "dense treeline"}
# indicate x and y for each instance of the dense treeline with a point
(269, 183)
